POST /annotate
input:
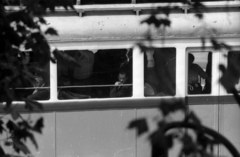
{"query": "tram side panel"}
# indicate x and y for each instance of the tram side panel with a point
(45, 140)
(95, 133)
(230, 126)
(143, 144)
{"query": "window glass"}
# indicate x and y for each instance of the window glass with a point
(101, 74)
(199, 72)
(233, 66)
(31, 77)
(160, 72)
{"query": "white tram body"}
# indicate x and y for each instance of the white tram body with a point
(97, 127)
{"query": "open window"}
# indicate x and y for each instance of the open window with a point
(199, 72)
(160, 72)
(100, 74)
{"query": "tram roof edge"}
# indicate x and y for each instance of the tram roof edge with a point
(139, 6)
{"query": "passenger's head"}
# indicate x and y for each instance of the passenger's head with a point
(123, 76)
(190, 58)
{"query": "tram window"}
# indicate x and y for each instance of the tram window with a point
(233, 65)
(160, 72)
(40, 86)
(97, 76)
(34, 84)
(199, 72)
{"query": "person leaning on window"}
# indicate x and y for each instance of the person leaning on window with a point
(194, 86)
(120, 89)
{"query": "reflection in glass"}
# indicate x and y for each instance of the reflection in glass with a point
(160, 72)
(97, 74)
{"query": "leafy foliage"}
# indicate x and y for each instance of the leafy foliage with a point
(140, 124)
(200, 143)
(21, 30)
(196, 139)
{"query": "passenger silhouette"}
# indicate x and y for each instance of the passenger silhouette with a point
(194, 71)
(119, 90)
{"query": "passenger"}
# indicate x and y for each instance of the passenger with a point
(119, 90)
(41, 80)
(76, 76)
(194, 87)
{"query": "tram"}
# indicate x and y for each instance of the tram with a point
(87, 121)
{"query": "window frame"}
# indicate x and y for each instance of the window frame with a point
(103, 46)
(215, 72)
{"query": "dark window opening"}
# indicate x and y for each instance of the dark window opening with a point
(31, 78)
(101, 74)
(199, 72)
(233, 71)
(160, 72)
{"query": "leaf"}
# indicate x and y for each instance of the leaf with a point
(11, 126)
(151, 20)
(32, 138)
(157, 22)
(14, 113)
(1, 127)
(18, 145)
(2, 153)
(51, 31)
(158, 144)
(39, 125)
(199, 15)
(169, 106)
(8, 143)
(165, 22)
(140, 125)
(42, 20)
(24, 124)
(189, 146)
(169, 140)
(193, 118)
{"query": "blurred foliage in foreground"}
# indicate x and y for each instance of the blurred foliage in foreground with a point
(196, 139)
(21, 30)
